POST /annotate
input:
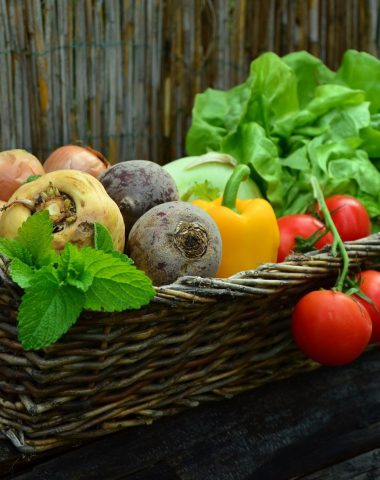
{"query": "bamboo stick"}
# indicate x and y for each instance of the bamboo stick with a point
(122, 75)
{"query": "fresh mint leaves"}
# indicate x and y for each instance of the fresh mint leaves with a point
(116, 285)
(21, 272)
(48, 309)
(36, 236)
(57, 287)
(102, 238)
(71, 268)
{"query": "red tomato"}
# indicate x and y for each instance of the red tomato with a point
(349, 216)
(299, 225)
(331, 327)
(370, 286)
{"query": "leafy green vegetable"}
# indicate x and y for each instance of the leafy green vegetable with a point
(310, 72)
(203, 190)
(292, 118)
(59, 286)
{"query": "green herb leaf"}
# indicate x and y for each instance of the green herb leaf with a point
(122, 257)
(59, 286)
(12, 249)
(36, 235)
(102, 238)
(116, 285)
(103, 241)
(71, 268)
(21, 273)
(47, 310)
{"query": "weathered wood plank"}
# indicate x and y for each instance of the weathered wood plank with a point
(6, 86)
(361, 467)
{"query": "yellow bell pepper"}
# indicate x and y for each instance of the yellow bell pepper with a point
(248, 227)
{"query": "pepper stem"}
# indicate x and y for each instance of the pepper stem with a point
(337, 242)
(240, 173)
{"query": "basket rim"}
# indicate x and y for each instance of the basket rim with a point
(264, 280)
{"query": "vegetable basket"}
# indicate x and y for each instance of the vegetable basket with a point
(199, 339)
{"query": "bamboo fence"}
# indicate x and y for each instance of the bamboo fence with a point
(121, 75)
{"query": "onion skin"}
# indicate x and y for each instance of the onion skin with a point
(16, 166)
(76, 157)
(92, 204)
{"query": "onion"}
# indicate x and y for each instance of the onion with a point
(76, 157)
(15, 167)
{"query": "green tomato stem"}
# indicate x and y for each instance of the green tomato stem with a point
(240, 173)
(337, 242)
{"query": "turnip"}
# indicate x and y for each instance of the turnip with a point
(175, 239)
(136, 186)
(75, 201)
(206, 176)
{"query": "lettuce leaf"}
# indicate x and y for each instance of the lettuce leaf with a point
(294, 117)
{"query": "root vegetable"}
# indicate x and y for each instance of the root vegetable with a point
(15, 168)
(2, 203)
(175, 239)
(76, 157)
(211, 171)
(137, 186)
(75, 201)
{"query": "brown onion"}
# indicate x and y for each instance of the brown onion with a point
(15, 167)
(76, 157)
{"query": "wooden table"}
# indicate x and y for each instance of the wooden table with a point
(320, 425)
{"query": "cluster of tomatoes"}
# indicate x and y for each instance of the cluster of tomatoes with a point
(349, 215)
(329, 326)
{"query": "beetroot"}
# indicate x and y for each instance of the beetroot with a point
(136, 186)
(175, 239)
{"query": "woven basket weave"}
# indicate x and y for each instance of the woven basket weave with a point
(199, 339)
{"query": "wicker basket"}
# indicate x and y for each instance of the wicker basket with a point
(200, 339)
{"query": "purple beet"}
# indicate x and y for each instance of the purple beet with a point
(137, 186)
(175, 239)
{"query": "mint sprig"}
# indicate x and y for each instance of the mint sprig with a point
(58, 287)
(31, 250)
(102, 238)
(36, 236)
(116, 285)
(47, 310)
(21, 273)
